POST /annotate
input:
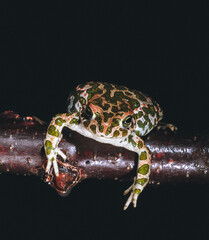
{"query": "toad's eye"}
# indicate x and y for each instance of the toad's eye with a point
(87, 113)
(127, 121)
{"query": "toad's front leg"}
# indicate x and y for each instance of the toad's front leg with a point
(53, 137)
(143, 169)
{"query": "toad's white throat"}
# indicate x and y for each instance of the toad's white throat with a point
(119, 141)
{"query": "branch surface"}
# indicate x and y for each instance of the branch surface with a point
(176, 158)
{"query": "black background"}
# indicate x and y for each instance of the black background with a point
(160, 48)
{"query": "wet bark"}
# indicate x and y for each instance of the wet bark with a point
(176, 158)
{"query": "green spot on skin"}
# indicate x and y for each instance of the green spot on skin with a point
(144, 169)
(59, 121)
(93, 90)
(130, 140)
(101, 128)
(48, 147)
(52, 159)
(116, 133)
(149, 110)
(119, 114)
(140, 144)
(107, 115)
(82, 101)
(119, 96)
(93, 128)
(106, 106)
(152, 110)
(109, 130)
(139, 95)
(139, 114)
(115, 122)
(146, 118)
(57, 115)
(114, 109)
(98, 102)
(137, 191)
(53, 131)
(137, 133)
(134, 103)
(108, 87)
(124, 107)
(98, 117)
(143, 155)
(140, 124)
(86, 123)
(133, 143)
(142, 181)
(68, 114)
(75, 121)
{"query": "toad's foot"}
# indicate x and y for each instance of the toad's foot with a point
(164, 126)
(52, 160)
(135, 189)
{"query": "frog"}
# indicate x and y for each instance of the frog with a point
(110, 114)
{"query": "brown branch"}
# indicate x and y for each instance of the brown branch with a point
(175, 158)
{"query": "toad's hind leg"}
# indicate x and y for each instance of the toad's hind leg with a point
(143, 170)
